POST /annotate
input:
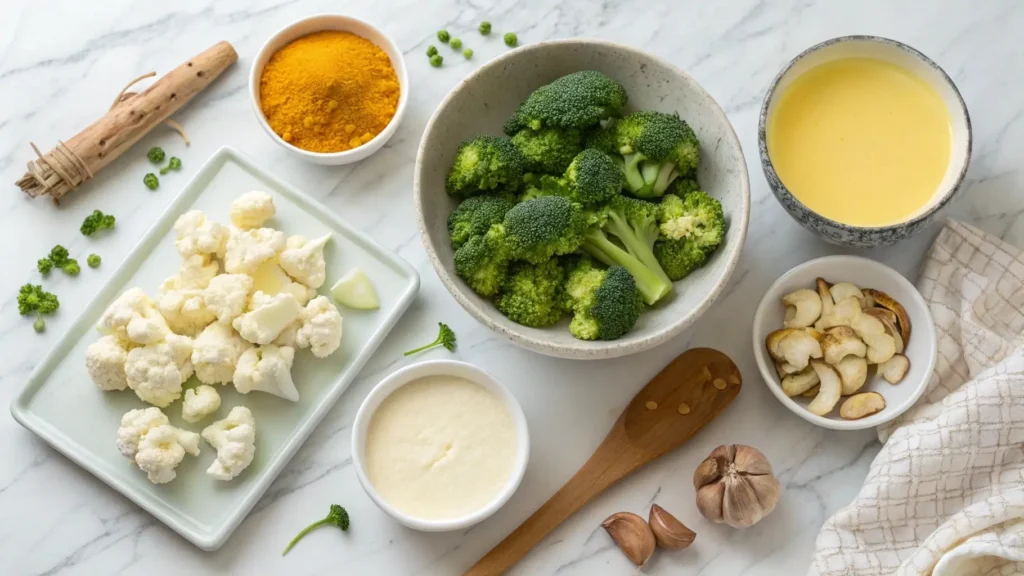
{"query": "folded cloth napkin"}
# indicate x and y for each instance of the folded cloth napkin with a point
(945, 496)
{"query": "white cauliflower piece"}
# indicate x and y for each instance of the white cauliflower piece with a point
(304, 260)
(252, 210)
(162, 449)
(247, 249)
(321, 327)
(267, 369)
(198, 235)
(287, 337)
(156, 371)
(235, 440)
(185, 311)
(134, 425)
(215, 353)
(196, 273)
(199, 403)
(267, 317)
(227, 295)
(271, 279)
(104, 360)
(134, 317)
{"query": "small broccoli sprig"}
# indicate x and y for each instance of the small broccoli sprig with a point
(93, 260)
(58, 258)
(32, 299)
(445, 337)
(338, 516)
(151, 181)
(173, 164)
(656, 148)
(96, 221)
(155, 155)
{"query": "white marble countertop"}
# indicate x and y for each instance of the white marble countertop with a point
(61, 63)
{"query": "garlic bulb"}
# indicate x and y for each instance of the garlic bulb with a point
(735, 486)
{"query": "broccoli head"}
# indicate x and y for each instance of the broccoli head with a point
(691, 229)
(96, 221)
(543, 185)
(657, 148)
(532, 294)
(475, 215)
(548, 150)
(593, 177)
(543, 227)
(579, 100)
(484, 163)
(605, 303)
(483, 261)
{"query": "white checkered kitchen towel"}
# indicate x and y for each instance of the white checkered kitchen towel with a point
(945, 496)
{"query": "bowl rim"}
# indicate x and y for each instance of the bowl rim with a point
(769, 168)
(591, 350)
(351, 155)
(922, 327)
(459, 369)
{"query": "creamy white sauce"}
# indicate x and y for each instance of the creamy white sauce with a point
(440, 447)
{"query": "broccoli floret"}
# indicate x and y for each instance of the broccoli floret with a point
(593, 177)
(173, 164)
(603, 138)
(151, 181)
(485, 163)
(548, 150)
(532, 294)
(96, 221)
(657, 148)
(605, 303)
(544, 185)
(44, 265)
(634, 223)
(543, 227)
(155, 155)
(683, 186)
(445, 338)
(475, 215)
(483, 261)
(58, 258)
(691, 228)
(32, 299)
(579, 100)
(71, 267)
(59, 255)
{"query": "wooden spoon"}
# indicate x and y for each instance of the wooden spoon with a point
(700, 382)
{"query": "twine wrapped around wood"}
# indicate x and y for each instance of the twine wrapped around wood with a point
(131, 117)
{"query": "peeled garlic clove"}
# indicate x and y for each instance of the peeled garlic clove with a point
(669, 532)
(632, 535)
(710, 500)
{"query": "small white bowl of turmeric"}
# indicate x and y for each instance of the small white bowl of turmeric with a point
(331, 89)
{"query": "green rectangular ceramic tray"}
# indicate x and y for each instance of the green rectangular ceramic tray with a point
(62, 405)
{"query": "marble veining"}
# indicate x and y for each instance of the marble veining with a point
(62, 62)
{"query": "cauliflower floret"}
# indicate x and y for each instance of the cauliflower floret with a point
(185, 311)
(215, 352)
(199, 403)
(287, 337)
(104, 360)
(321, 327)
(162, 449)
(134, 425)
(304, 260)
(156, 371)
(267, 317)
(271, 279)
(235, 440)
(227, 295)
(134, 317)
(197, 235)
(267, 369)
(252, 210)
(196, 273)
(247, 249)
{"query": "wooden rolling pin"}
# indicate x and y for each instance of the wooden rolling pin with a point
(675, 405)
(62, 169)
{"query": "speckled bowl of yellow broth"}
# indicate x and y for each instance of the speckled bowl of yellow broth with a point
(863, 139)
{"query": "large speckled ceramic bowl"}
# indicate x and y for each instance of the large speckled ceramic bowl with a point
(482, 102)
(917, 63)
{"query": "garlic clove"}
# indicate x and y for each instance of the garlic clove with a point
(710, 500)
(708, 471)
(750, 460)
(740, 508)
(632, 535)
(669, 532)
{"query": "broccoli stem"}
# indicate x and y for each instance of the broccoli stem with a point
(666, 176)
(634, 180)
(639, 243)
(305, 531)
(650, 284)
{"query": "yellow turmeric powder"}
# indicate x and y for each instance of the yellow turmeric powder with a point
(329, 91)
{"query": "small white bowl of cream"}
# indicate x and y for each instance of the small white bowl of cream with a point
(440, 445)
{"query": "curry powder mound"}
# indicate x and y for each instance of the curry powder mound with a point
(329, 91)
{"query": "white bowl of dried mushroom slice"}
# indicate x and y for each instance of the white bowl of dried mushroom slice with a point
(844, 342)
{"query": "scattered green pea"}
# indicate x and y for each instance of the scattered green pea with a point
(511, 39)
(151, 181)
(468, 53)
(455, 43)
(484, 28)
(436, 60)
(431, 50)
(443, 36)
